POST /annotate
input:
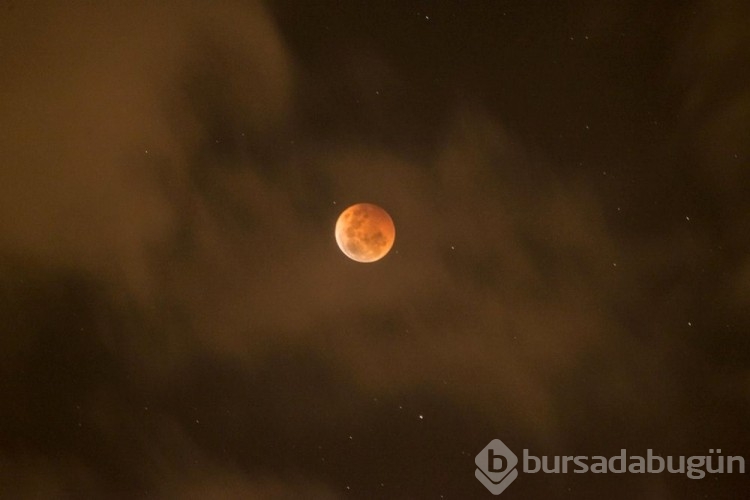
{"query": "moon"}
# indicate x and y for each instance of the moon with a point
(365, 232)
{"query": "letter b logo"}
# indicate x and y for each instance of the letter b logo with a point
(496, 466)
(497, 463)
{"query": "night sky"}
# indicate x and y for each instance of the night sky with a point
(570, 188)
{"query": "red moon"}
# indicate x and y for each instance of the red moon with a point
(365, 232)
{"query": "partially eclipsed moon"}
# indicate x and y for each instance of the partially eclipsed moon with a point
(365, 232)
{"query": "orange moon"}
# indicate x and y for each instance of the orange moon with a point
(365, 232)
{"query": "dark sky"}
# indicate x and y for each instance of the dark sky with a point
(569, 183)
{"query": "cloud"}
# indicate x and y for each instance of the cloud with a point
(102, 123)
